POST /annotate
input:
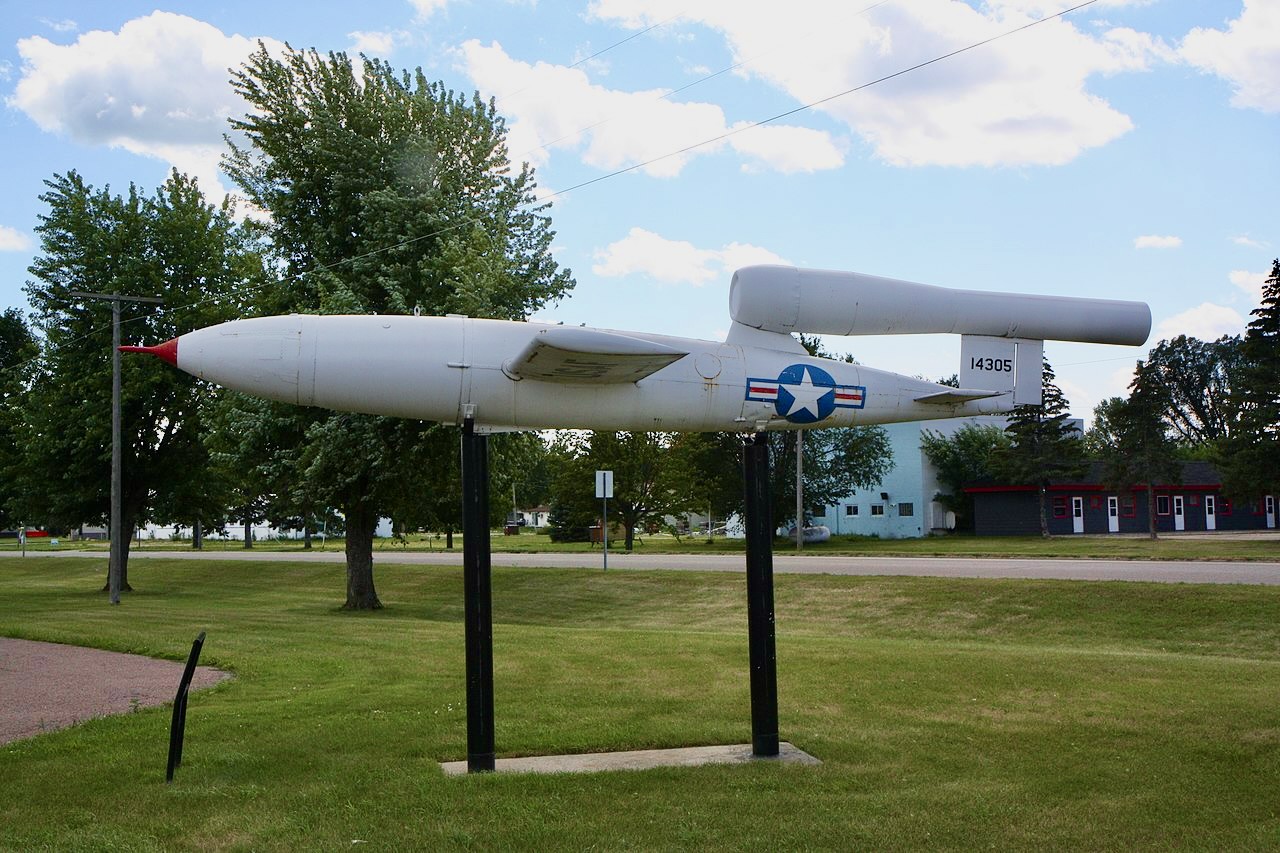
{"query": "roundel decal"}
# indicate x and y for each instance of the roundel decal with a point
(805, 394)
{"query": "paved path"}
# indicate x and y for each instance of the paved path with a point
(1165, 571)
(49, 686)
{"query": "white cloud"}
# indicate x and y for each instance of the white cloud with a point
(13, 240)
(1250, 282)
(1206, 321)
(1155, 241)
(1246, 240)
(787, 149)
(676, 261)
(553, 106)
(1246, 55)
(157, 88)
(377, 45)
(1021, 100)
(426, 8)
(64, 26)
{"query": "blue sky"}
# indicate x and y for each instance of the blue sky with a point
(1130, 149)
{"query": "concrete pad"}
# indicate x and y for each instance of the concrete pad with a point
(640, 759)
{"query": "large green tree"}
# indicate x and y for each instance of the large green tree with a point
(647, 477)
(1044, 446)
(387, 193)
(1197, 378)
(962, 459)
(1251, 457)
(171, 244)
(835, 462)
(1137, 448)
(18, 348)
(708, 472)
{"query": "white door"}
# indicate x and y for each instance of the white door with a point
(1179, 517)
(1271, 510)
(1210, 512)
(1077, 515)
(1113, 514)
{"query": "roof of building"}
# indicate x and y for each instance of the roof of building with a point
(1196, 474)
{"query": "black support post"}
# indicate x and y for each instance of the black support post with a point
(764, 659)
(178, 725)
(479, 599)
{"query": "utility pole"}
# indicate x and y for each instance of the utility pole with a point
(799, 490)
(116, 563)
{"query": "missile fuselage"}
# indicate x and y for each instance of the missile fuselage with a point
(447, 368)
(505, 374)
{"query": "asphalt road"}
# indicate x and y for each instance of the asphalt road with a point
(1162, 571)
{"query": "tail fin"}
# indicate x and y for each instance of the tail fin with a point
(1007, 365)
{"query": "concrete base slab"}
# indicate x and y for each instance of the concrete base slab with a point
(640, 759)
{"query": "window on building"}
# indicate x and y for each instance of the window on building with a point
(877, 509)
(851, 510)
(1059, 507)
(1128, 507)
(1194, 500)
(906, 510)
(1162, 504)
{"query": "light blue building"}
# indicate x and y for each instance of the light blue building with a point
(903, 505)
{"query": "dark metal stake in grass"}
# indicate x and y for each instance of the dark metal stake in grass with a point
(178, 726)
(760, 636)
(478, 610)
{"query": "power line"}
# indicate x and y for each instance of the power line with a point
(600, 52)
(820, 101)
(667, 94)
(635, 166)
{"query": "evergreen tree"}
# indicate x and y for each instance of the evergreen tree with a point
(1251, 458)
(1044, 446)
(388, 194)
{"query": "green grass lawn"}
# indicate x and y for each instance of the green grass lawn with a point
(1168, 547)
(947, 713)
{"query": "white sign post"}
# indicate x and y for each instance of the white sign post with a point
(604, 491)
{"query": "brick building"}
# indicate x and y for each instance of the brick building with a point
(1089, 506)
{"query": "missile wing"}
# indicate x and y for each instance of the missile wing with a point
(576, 354)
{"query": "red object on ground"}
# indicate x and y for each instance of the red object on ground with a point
(167, 351)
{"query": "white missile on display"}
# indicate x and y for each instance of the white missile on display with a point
(506, 374)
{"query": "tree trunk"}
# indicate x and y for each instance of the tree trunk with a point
(1044, 515)
(629, 519)
(248, 528)
(1151, 511)
(127, 518)
(448, 538)
(197, 536)
(361, 522)
(306, 535)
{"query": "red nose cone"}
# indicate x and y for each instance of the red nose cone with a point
(167, 351)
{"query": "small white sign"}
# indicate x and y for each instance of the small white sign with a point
(604, 484)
